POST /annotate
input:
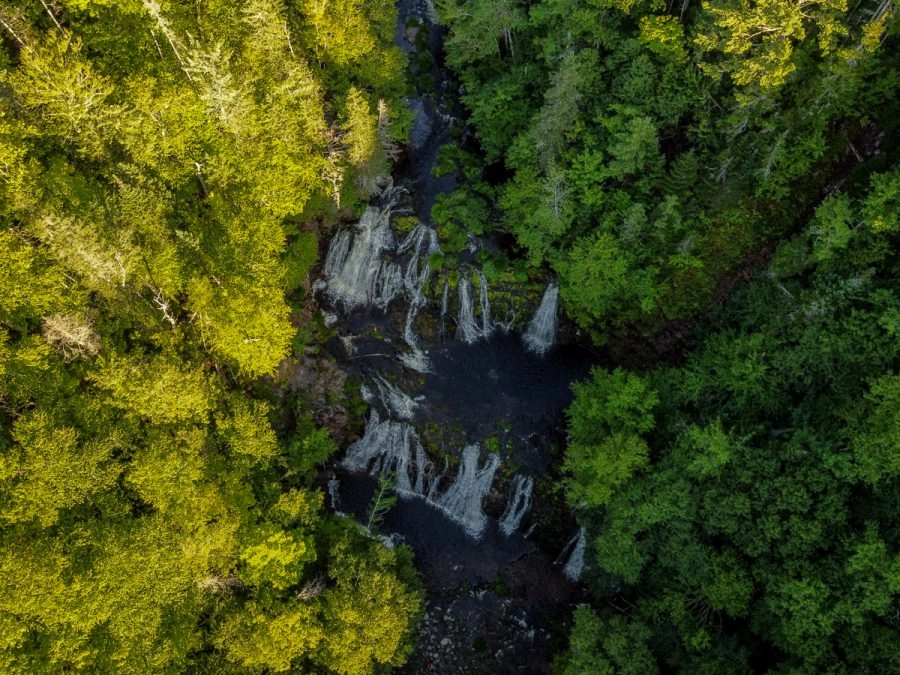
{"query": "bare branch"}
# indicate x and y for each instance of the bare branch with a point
(312, 589)
(163, 306)
(155, 11)
(61, 29)
(217, 584)
(74, 337)
(12, 32)
(287, 34)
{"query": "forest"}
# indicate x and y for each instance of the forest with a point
(158, 160)
(714, 187)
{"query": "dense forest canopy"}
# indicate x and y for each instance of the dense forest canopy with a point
(165, 169)
(653, 146)
(155, 161)
(742, 503)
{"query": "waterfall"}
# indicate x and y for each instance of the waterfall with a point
(466, 328)
(338, 250)
(486, 326)
(464, 499)
(356, 272)
(347, 341)
(334, 493)
(445, 301)
(422, 240)
(395, 401)
(388, 446)
(541, 332)
(416, 360)
(507, 324)
(575, 564)
(518, 504)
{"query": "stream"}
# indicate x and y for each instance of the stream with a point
(465, 416)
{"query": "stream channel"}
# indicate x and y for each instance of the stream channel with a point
(466, 407)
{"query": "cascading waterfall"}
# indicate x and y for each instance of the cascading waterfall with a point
(445, 302)
(464, 500)
(334, 493)
(349, 345)
(397, 402)
(575, 564)
(541, 332)
(392, 447)
(422, 240)
(466, 328)
(518, 504)
(416, 360)
(356, 272)
(486, 325)
(507, 324)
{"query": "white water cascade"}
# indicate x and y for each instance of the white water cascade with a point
(575, 564)
(541, 332)
(356, 272)
(334, 493)
(518, 504)
(397, 402)
(421, 241)
(467, 328)
(389, 446)
(445, 301)
(486, 325)
(464, 499)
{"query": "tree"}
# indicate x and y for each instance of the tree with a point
(607, 644)
(157, 388)
(876, 442)
(51, 471)
(605, 447)
(752, 493)
(369, 609)
(498, 20)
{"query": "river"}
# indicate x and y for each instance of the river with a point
(465, 415)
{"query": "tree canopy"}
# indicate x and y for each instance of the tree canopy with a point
(740, 498)
(155, 161)
(743, 506)
(652, 147)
